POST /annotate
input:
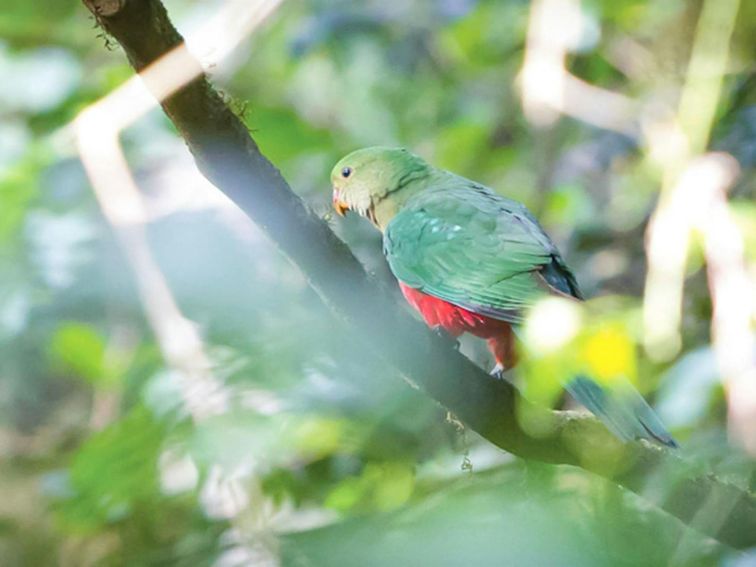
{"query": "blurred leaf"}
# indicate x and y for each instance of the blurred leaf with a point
(380, 487)
(81, 349)
(114, 470)
(318, 437)
(18, 186)
(512, 517)
(282, 134)
(567, 205)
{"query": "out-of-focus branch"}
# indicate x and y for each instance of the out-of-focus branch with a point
(97, 129)
(227, 155)
(694, 197)
(731, 291)
(122, 205)
(550, 90)
(674, 146)
(698, 202)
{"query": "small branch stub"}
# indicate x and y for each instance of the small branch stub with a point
(105, 8)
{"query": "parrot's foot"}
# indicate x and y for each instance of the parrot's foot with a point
(441, 332)
(498, 371)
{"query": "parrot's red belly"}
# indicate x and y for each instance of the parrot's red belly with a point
(453, 319)
(457, 320)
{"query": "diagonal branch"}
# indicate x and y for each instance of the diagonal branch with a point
(227, 155)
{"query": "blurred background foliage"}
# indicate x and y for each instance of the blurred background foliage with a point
(323, 457)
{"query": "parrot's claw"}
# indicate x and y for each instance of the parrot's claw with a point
(498, 371)
(441, 332)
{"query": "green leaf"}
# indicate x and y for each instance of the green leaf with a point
(114, 470)
(81, 349)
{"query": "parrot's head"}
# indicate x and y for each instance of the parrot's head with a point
(373, 182)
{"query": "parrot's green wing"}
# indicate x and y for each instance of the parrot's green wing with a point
(471, 247)
(462, 243)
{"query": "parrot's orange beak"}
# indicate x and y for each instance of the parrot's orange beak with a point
(339, 206)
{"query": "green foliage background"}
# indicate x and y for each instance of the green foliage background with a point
(324, 458)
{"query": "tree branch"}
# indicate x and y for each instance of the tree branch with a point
(227, 155)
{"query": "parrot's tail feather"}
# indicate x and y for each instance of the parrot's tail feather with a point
(623, 410)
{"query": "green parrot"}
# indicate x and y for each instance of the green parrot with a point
(471, 261)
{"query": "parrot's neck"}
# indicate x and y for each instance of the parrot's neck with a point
(385, 209)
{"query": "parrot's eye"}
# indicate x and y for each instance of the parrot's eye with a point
(346, 172)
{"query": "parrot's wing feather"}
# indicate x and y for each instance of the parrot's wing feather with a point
(468, 246)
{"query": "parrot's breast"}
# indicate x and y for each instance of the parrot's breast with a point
(453, 319)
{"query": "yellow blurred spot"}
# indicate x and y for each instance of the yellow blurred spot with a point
(609, 354)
